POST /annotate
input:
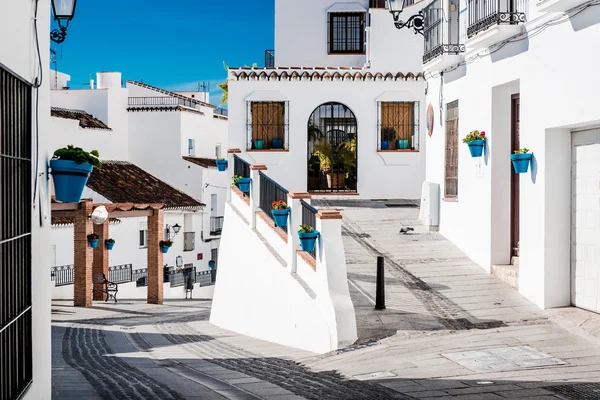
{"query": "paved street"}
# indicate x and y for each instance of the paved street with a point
(449, 331)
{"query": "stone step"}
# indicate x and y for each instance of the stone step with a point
(507, 273)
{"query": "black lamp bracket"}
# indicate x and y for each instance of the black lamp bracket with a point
(416, 22)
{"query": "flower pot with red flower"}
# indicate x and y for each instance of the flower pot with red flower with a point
(165, 245)
(109, 243)
(93, 240)
(280, 211)
(476, 142)
(521, 159)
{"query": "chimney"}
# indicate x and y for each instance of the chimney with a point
(106, 80)
(92, 84)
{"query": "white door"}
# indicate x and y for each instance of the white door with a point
(585, 222)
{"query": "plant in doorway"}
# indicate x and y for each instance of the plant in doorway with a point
(165, 245)
(521, 159)
(93, 240)
(336, 161)
(308, 237)
(476, 142)
(109, 243)
(280, 211)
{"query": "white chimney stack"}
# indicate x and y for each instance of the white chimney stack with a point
(92, 84)
(106, 80)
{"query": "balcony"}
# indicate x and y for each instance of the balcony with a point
(269, 58)
(492, 21)
(443, 45)
(161, 101)
(216, 225)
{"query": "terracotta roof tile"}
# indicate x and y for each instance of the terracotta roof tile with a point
(123, 182)
(85, 119)
(318, 74)
(203, 162)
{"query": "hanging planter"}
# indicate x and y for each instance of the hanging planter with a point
(520, 160)
(280, 211)
(70, 168)
(165, 245)
(277, 143)
(258, 144)
(221, 164)
(93, 240)
(243, 184)
(109, 243)
(476, 142)
(308, 237)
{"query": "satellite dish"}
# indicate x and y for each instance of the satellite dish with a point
(99, 215)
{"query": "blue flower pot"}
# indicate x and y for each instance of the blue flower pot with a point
(476, 147)
(281, 217)
(211, 264)
(93, 243)
(385, 145)
(109, 245)
(308, 240)
(520, 162)
(222, 165)
(244, 184)
(258, 144)
(165, 249)
(402, 144)
(277, 143)
(69, 178)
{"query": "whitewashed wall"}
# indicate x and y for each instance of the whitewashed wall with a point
(18, 54)
(558, 93)
(380, 175)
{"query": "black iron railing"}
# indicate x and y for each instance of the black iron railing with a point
(270, 191)
(309, 217)
(206, 278)
(120, 273)
(241, 167)
(140, 277)
(161, 101)
(216, 225)
(221, 111)
(486, 13)
(62, 275)
(269, 58)
(189, 241)
(179, 277)
(214, 256)
(441, 34)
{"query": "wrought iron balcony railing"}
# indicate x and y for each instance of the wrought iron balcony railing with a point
(486, 13)
(269, 58)
(161, 101)
(441, 34)
(216, 225)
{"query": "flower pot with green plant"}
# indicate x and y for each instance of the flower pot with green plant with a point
(280, 211)
(109, 243)
(387, 137)
(165, 245)
(93, 240)
(70, 168)
(242, 183)
(308, 237)
(476, 142)
(221, 164)
(521, 159)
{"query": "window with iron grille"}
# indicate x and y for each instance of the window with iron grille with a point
(346, 33)
(189, 241)
(15, 236)
(451, 170)
(398, 124)
(267, 125)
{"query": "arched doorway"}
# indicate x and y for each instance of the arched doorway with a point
(332, 155)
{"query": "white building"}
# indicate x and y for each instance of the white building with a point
(523, 72)
(25, 207)
(166, 135)
(344, 80)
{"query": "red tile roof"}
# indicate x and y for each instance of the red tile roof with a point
(203, 162)
(85, 120)
(123, 182)
(172, 94)
(164, 108)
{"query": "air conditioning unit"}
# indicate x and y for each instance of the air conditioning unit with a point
(430, 204)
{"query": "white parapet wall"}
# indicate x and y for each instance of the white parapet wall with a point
(283, 297)
(130, 291)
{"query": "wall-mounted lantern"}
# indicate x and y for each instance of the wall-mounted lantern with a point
(417, 21)
(64, 11)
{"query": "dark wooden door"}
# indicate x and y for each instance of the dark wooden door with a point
(514, 193)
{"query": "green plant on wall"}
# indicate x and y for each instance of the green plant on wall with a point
(225, 85)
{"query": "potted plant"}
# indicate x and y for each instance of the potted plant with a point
(258, 144)
(109, 243)
(165, 245)
(93, 240)
(336, 163)
(308, 237)
(476, 142)
(277, 143)
(387, 136)
(71, 167)
(520, 160)
(221, 164)
(280, 211)
(242, 183)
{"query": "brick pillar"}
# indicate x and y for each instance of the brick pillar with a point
(294, 225)
(83, 257)
(156, 226)
(101, 257)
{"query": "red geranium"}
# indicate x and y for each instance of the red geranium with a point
(279, 205)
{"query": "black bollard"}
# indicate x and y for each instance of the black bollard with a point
(380, 290)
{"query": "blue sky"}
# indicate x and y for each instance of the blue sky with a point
(171, 44)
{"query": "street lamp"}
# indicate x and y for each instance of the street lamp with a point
(64, 11)
(176, 228)
(417, 21)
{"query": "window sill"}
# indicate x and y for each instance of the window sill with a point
(398, 151)
(268, 151)
(450, 199)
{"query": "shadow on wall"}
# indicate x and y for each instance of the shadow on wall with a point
(534, 168)
(520, 45)
(585, 19)
(455, 74)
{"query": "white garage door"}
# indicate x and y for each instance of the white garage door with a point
(585, 223)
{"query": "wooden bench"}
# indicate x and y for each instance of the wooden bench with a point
(109, 288)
